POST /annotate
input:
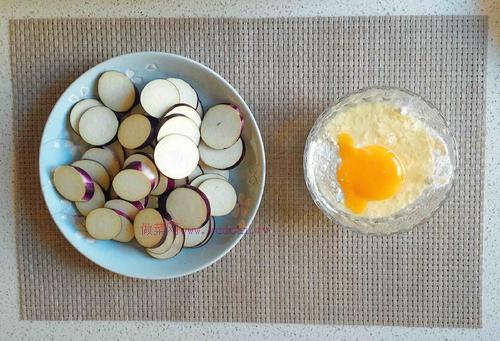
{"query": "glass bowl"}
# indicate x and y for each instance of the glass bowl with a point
(321, 157)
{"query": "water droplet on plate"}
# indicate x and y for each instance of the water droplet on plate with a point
(75, 148)
(64, 216)
(130, 73)
(84, 91)
(73, 98)
(151, 67)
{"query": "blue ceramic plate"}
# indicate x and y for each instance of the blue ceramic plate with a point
(60, 145)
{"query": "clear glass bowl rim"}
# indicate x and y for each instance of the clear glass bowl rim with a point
(333, 215)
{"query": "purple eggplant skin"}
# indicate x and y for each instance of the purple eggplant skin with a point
(202, 195)
(243, 152)
(141, 167)
(88, 182)
(152, 134)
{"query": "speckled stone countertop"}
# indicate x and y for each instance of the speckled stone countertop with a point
(13, 329)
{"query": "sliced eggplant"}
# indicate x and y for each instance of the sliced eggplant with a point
(211, 233)
(103, 223)
(176, 156)
(211, 170)
(97, 201)
(180, 182)
(187, 111)
(134, 182)
(96, 171)
(138, 109)
(149, 228)
(153, 201)
(165, 185)
(174, 250)
(126, 233)
(221, 126)
(73, 183)
(171, 231)
(98, 126)
(117, 149)
(142, 203)
(195, 237)
(136, 131)
(116, 91)
(188, 207)
(148, 150)
(199, 180)
(221, 196)
(127, 208)
(105, 157)
(158, 96)
(146, 170)
(194, 174)
(78, 109)
(111, 195)
(187, 94)
(147, 160)
(178, 124)
(223, 158)
(199, 109)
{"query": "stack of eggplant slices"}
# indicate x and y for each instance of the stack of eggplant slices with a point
(157, 170)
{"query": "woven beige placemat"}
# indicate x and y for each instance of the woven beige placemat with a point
(304, 269)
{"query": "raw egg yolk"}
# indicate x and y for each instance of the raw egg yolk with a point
(367, 173)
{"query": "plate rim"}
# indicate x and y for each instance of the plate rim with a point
(260, 156)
